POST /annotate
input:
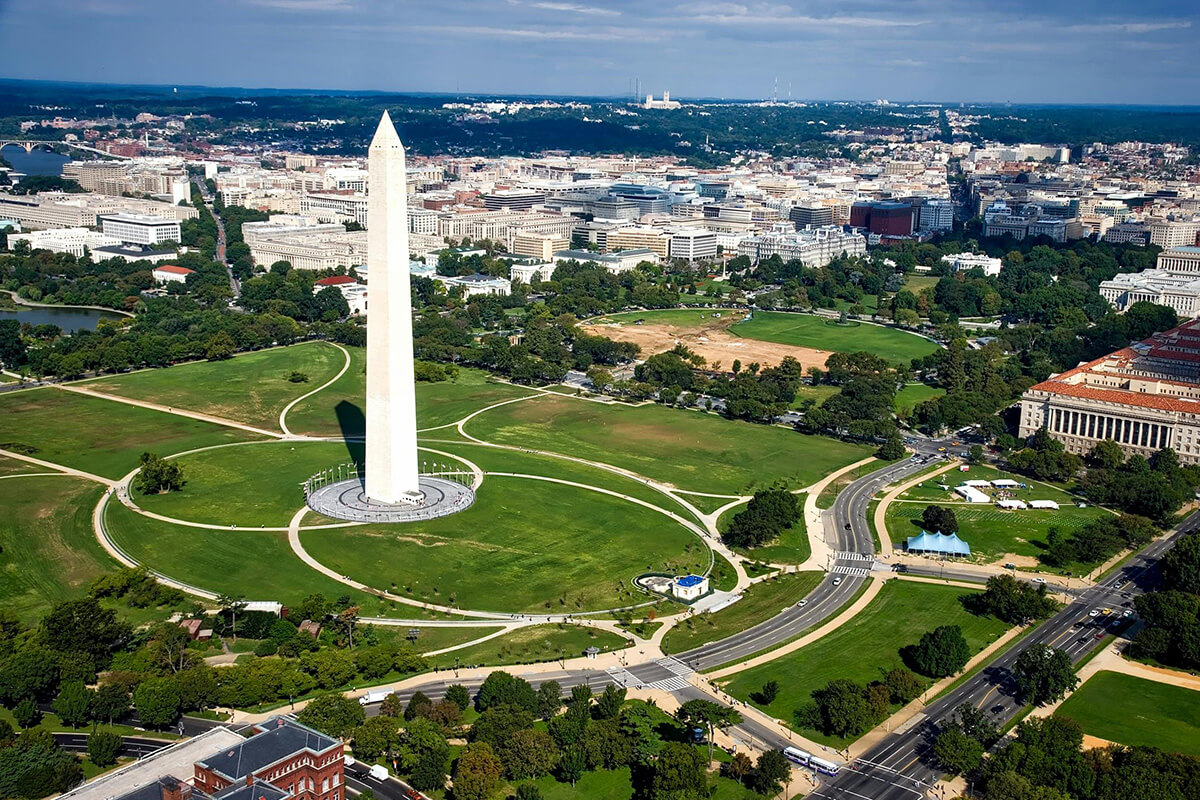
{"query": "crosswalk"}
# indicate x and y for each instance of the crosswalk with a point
(674, 680)
(846, 555)
(842, 569)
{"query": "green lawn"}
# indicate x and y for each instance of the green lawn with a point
(433, 638)
(792, 546)
(992, 532)
(15, 466)
(864, 646)
(525, 545)
(617, 784)
(1135, 711)
(251, 485)
(679, 317)
(339, 409)
(251, 388)
(916, 283)
(104, 437)
(693, 451)
(912, 394)
(818, 394)
(48, 552)
(256, 565)
(805, 330)
(533, 644)
(760, 602)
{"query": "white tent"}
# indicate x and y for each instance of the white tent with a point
(1011, 504)
(1006, 483)
(1043, 504)
(977, 484)
(971, 494)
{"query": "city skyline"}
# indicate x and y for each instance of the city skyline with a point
(927, 50)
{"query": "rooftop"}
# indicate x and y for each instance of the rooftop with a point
(278, 738)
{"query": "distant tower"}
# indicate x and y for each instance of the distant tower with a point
(392, 474)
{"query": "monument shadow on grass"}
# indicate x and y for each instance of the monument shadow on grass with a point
(353, 425)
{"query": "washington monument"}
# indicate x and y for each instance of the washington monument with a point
(392, 474)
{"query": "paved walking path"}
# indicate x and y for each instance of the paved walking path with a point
(228, 423)
(283, 414)
(57, 467)
(885, 539)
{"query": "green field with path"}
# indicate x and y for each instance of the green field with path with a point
(690, 450)
(991, 531)
(863, 647)
(104, 437)
(338, 410)
(48, 552)
(791, 547)
(759, 603)
(1136, 711)
(912, 394)
(252, 485)
(525, 545)
(533, 644)
(251, 387)
(806, 330)
(257, 565)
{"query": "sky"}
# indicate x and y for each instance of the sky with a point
(1021, 51)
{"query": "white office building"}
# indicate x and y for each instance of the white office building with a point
(815, 247)
(964, 262)
(693, 244)
(141, 229)
(75, 241)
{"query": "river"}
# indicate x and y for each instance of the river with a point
(38, 162)
(69, 319)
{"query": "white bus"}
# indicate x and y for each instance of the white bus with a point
(797, 756)
(822, 766)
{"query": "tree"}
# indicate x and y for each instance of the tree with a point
(975, 454)
(902, 685)
(768, 514)
(1106, 454)
(955, 751)
(392, 706)
(940, 652)
(111, 702)
(707, 715)
(608, 704)
(1181, 566)
(103, 747)
(333, 714)
(477, 773)
(891, 450)
(529, 754)
(1011, 600)
(234, 605)
(157, 701)
(939, 519)
(73, 704)
(571, 765)
(499, 724)
(842, 708)
(529, 791)
(35, 766)
(27, 714)
(376, 737)
(679, 773)
(1044, 674)
(459, 695)
(501, 688)
(549, 699)
(157, 475)
(771, 773)
(84, 626)
(418, 706)
(12, 346)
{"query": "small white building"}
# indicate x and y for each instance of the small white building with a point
(477, 284)
(971, 494)
(962, 262)
(689, 587)
(169, 273)
(354, 292)
(525, 273)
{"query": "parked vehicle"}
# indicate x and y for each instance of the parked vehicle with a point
(379, 772)
(374, 696)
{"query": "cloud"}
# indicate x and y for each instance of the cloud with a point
(532, 34)
(1130, 27)
(577, 9)
(305, 5)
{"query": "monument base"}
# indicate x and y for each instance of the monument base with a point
(348, 500)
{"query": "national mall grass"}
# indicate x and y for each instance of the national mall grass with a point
(864, 647)
(691, 450)
(1136, 711)
(805, 330)
(526, 545)
(251, 388)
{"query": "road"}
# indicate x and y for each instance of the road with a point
(234, 285)
(135, 746)
(898, 768)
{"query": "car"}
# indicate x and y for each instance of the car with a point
(1094, 613)
(1099, 634)
(1128, 613)
(1079, 623)
(941, 449)
(801, 604)
(848, 526)
(412, 794)
(1106, 611)
(837, 581)
(1083, 639)
(1039, 580)
(1010, 566)
(997, 709)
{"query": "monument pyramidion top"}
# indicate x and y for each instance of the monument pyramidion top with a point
(385, 135)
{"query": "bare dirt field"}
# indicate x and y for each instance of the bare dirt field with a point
(712, 341)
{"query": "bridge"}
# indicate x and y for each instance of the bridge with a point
(29, 145)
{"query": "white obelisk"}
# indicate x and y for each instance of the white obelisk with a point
(392, 475)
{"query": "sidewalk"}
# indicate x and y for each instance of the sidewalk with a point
(885, 539)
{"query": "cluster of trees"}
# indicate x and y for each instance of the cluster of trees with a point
(1172, 615)
(1157, 488)
(1011, 600)
(1097, 541)
(1046, 760)
(940, 652)
(845, 707)
(863, 407)
(157, 475)
(289, 292)
(846, 278)
(1046, 459)
(522, 734)
(939, 519)
(769, 513)
(33, 765)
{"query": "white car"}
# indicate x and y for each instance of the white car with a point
(837, 581)
(801, 604)
(1039, 580)
(1095, 612)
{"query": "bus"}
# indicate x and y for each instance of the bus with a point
(822, 766)
(797, 756)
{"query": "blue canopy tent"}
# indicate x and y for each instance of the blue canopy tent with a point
(938, 543)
